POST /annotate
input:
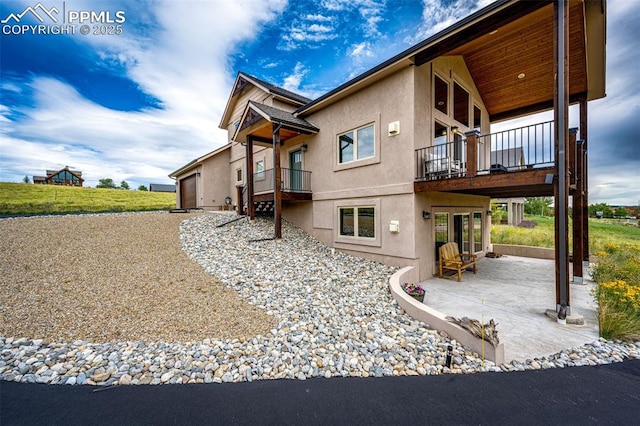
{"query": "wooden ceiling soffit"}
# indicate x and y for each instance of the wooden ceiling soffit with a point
(478, 29)
(517, 40)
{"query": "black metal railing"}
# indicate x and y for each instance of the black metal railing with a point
(441, 161)
(525, 147)
(292, 180)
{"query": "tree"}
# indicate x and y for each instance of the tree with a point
(142, 188)
(124, 184)
(621, 212)
(26, 179)
(606, 209)
(106, 183)
(538, 206)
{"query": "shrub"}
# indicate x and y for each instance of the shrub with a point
(618, 310)
(617, 263)
(617, 273)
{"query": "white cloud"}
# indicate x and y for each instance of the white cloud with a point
(180, 58)
(438, 15)
(292, 82)
(361, 50)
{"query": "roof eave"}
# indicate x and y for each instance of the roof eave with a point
(406, 56)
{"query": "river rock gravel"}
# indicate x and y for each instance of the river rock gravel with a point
(299, 310)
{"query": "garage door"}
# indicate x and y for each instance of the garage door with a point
(188, 192)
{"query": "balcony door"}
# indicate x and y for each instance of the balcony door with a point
(295, 170)
(461, 234)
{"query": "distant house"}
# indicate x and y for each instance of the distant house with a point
(60, 177)
(509, 159)
(160, 187)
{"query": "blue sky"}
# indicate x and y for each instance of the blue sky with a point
(138, 105)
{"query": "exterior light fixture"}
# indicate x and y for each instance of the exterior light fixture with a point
(521, 76)
(489, 213)
(426, 215)
(304, 147)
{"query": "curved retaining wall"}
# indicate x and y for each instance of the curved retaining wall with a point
(436, 319)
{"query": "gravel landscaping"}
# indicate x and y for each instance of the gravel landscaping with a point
(112, 299)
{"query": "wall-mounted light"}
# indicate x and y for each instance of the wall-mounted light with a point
(548, 179)
(394, 128)
(426, 215)
(304, 147)
(489, 213)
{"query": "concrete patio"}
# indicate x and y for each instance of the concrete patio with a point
(516, 292)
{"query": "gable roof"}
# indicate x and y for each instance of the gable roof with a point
(197, 161)
(518, 30)
(291, 125)
(273, 89)
(75, 173)
(243, 80)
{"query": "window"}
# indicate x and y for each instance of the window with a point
(357, 222)
(441, 94)
(238, 175)
(441, 223)
(460, 104)
(440, 134)
(477, 232)
(477, 118)
(356, 144)
(259, 174)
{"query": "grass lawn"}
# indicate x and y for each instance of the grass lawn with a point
(21, 198)
(601, 232)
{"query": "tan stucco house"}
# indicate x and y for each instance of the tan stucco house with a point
(397, 161)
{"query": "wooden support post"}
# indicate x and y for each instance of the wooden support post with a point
(561, 124)
(251, 208)
(240, 206)
(472, 152)
(585, 178)
(576, 211)
(572, 152)
(277, 191)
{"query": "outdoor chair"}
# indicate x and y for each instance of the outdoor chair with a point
(452, 259)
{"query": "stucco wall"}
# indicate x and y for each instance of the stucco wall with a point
(434, 202)
(214, 180)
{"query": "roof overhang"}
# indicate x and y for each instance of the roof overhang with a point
(499, 42)
(198, 161)
(243, 80)
(258, 121)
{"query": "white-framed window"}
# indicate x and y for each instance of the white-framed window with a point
(356, 144)
(478, 232)
(477, 118)
(239, 175)
(357, 222)
(259, 170)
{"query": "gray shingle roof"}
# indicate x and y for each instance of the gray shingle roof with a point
(284, 117)
(278, 90)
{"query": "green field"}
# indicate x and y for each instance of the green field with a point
(21, 198)
(601, 231)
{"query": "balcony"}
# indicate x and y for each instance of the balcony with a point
(509, 163)
(295, 185)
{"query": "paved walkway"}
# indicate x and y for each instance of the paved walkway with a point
(516, 292)
(608, 394)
